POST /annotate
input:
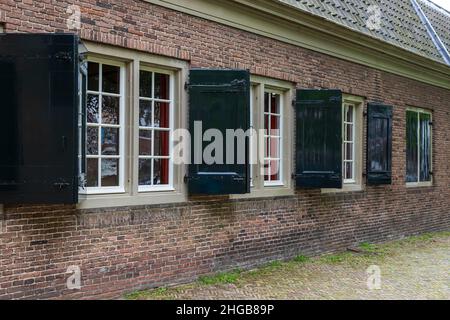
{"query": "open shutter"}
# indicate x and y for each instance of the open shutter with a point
(319, 139)
(38, 125)
(379, 144)
(220, 100)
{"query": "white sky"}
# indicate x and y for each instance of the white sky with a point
(443, 3)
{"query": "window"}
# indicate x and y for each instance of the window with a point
(155, 130)
(352, 144)
(418, 146)
(271, 144)
(272, 138)
(134, 102)
(349, 142)
(105, 127)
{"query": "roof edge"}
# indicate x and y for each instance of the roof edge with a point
(282, 22)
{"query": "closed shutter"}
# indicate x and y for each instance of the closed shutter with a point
(38, 125)
(379, 144)
(219, 100)
(319, 139)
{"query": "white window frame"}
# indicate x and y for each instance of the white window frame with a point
(170, 185)
(355, 184)
(121, 126)
(280, 139)
(421, 183)
(285, 186)
(353, 141)
(133, 61)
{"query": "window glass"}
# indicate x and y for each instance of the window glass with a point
(154, 130)
(272, 129)
(103, 132)
(418, 146)
(349, 143)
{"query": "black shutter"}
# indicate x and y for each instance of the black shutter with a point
(38, 123)
(220, 99)
(379, 144)
(319, 139)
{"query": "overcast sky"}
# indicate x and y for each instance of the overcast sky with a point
(443, 3)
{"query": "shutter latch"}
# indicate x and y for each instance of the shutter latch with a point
(61, 185)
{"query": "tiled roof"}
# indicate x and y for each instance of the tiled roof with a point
(440, 19)
(399, 24)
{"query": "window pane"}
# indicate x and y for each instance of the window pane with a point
(145, 142)
(348, 155)
(412, 148)
(92, 172)
(266, 101)
(93, 76)
(162, 115)
(425, 147)
(161, 143)
(145, 172)
(348, 116)
(145, 113)
(275, 103)
(274, 125)
(145, 84)
(110, 110)
(348, 170)
(110, 172)
(110, 141)
(379, 146)
(162, 86)
(92, 141)
(348, 132)
(274, 170)
(274, 147)
(111, 79)
(92, 108)
(161, 172)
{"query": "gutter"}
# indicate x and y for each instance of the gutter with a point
(430, 29)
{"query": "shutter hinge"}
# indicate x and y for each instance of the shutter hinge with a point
(431, 123)
(186, 86)
(365, 113)
(293, 103)
(293, 176)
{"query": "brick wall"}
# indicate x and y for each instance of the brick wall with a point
(123, 249)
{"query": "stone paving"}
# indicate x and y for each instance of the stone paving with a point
(414, 268)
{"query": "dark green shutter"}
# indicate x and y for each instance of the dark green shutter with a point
(379, 144)
(220, 99)
(38, 123)
(319, 139)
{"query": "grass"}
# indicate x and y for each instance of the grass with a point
(369, 253)
(221, 278)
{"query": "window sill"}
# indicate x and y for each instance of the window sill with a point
(101, 191)
(93, 201)
(346, 188)
(412, 185)
(266, 192)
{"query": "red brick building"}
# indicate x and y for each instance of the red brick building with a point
(137, 222)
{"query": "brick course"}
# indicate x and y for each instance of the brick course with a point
(124, 249)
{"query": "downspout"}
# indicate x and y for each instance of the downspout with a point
(434, 36)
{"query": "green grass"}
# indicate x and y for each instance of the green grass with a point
(336, 258)
(221, 278)
(301, 259)
(149, 294)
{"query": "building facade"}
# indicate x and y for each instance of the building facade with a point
(137, 224)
